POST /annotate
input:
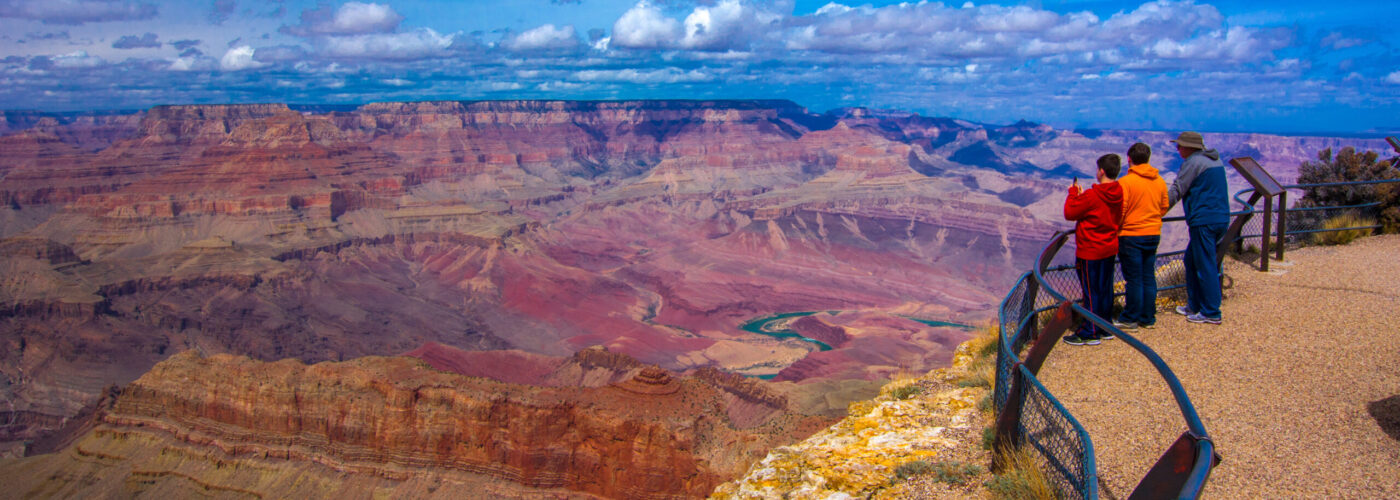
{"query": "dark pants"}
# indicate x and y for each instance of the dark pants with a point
(1203, 270)
(1096, 281)
(1137, 256)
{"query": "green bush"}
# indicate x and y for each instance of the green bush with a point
(905, 392)
(1348, 166)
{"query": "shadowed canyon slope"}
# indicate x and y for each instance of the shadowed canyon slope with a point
(499, 239)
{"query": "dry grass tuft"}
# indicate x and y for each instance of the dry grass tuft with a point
(1022, 480)
(1339, 235)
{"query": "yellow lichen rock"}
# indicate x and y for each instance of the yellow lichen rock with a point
(858, 456)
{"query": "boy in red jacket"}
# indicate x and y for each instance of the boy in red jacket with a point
(1098, 216)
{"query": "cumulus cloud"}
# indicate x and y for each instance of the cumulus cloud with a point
(239, 58)
(545, 37)
(146, 41)
(353, 18)
(1238, 44)
(77, 11)
(1393, 77)
(420, 43)
(724, 25)
(644, 26)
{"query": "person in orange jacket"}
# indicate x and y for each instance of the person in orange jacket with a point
(1097, 213)
(1144, 203)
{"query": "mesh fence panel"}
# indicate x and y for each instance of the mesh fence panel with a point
(1063, 446)
(1060, 445)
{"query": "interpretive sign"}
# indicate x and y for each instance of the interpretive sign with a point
(1256, 175)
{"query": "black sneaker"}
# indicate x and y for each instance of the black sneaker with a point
(1125, 325)
(1107, 336)
(1077, 340)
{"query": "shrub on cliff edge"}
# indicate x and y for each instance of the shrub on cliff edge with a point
(1348, 166)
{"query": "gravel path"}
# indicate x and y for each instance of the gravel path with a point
(1282, 386)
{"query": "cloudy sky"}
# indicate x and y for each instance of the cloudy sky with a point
(1226, 65)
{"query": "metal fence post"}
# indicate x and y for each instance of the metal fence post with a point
(1264, 236)
(1282, 223)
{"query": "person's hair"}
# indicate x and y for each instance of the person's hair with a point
(1111, 165)
(1139, 154)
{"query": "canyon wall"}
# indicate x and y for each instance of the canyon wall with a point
(523, 233)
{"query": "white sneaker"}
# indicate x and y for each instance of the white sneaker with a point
(1182, 310)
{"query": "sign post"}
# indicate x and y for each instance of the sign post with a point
(1267, 187)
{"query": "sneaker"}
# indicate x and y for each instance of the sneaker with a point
(1199, 318)
(1107, 336)
(1077, 340)
(1147, 326)
(1130, 325)
(1182, 310)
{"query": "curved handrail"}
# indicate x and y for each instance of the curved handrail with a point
(1205, 450)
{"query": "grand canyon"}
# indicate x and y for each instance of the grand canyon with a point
(535, 298)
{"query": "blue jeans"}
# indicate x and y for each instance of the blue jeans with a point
(1137, 256)
(1203, 270)
(1096, 282)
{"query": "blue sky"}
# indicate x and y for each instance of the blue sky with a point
(1284, 66)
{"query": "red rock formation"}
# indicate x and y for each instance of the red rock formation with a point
(397, 419)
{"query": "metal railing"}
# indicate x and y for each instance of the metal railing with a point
(1036, 311)
(1298, 222)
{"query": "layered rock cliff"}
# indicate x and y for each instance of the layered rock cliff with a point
(395, 423)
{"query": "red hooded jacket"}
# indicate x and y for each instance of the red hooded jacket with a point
(1098, 216)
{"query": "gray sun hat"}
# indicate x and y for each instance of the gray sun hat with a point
(1190, 140)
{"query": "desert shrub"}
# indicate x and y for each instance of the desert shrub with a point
(1339, 234)
(1346, 166)
(978, 378)
(905, 392)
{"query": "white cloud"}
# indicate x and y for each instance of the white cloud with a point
(356, 17)
(239, 58)
(417, 44)
(192, 63)
(727, 25)
(352, 18)
(543, 38)
(645, 27)
(1393, 77)
(1017, 19)
(78, 59)
(1238, 44)
(664, 75)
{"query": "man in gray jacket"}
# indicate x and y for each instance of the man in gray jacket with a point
(1201, 184)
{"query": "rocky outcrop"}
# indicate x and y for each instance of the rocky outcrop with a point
(817, 330)
(398, 420)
